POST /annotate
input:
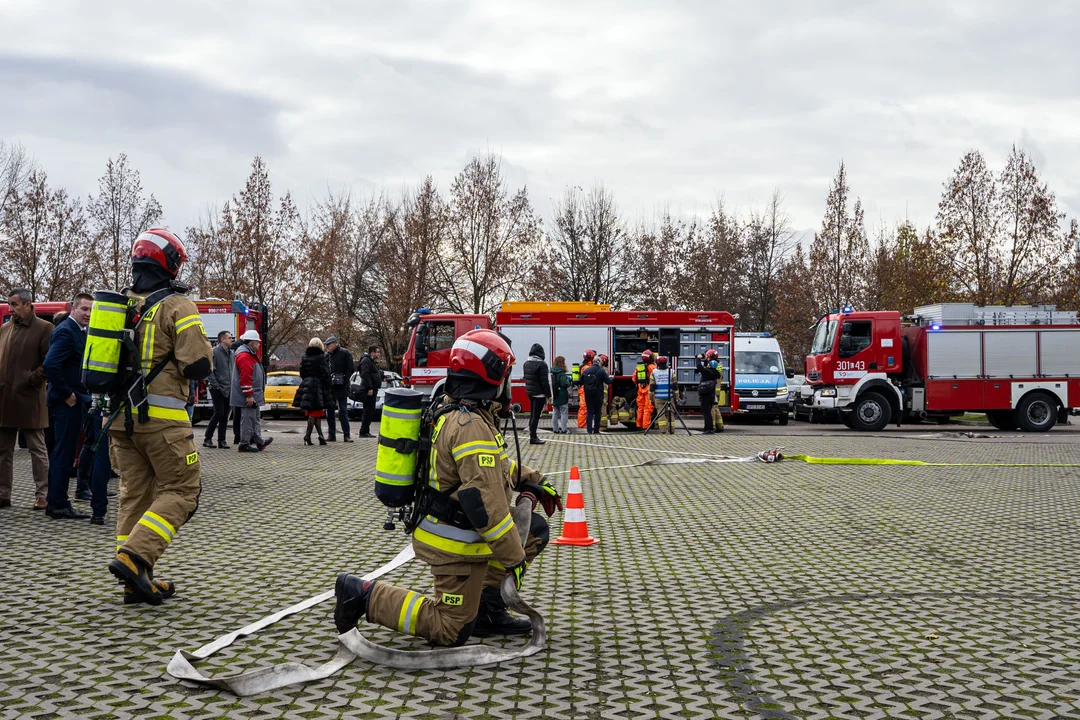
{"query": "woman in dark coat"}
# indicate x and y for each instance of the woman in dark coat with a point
(313, 395)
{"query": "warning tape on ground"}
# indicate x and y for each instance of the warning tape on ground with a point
(809, 459)
(889, 461)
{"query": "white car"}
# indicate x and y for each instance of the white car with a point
(389, 380)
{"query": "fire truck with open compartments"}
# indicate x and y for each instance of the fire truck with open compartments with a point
(1018, 364)
(571, 328)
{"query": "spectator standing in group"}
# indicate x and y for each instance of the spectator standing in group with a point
(314, 394)
(220, 382)
(370, 382)
(341, 370)
(538, 387)
(594, 379)
(246, 394)
(68, 402)
(24, 343)
(560, 396)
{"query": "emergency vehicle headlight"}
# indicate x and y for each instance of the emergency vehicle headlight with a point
(828, 392)
(781, 391)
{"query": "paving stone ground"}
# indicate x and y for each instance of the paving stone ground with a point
(718, 590)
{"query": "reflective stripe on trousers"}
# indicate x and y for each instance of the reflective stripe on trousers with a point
(448, 538)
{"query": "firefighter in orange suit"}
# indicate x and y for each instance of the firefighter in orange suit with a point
(467, 534)
(154, 447)
(642, 374)
(586, 361)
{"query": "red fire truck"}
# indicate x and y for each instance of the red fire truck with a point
(1018, 364)
(571, 328)
(217, 315)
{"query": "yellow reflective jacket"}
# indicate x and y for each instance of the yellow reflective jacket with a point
(172, 329)
(468, 452)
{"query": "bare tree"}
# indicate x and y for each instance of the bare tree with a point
(488, 233)
(769, 241)
(117, 215)
(713, 276)
(795, 313)
(350, 238)
(260, 251)
(589, 255)
(406, 272)
(1034, 249)
(15, 168)
(661, 253)
(39, 231)
(841, 250)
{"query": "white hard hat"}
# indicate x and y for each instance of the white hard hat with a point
(251, 335)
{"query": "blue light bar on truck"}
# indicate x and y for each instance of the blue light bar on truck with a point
(749, 334)
(239, 307)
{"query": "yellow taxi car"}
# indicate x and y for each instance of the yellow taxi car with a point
(280, 390)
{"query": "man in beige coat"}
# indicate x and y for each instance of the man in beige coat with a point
(24, 342)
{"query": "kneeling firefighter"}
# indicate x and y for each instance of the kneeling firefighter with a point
(465, 532)
(143, 349)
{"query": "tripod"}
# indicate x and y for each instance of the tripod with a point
(669, 404)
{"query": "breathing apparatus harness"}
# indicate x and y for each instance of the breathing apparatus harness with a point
(134, 385)
(425, 499)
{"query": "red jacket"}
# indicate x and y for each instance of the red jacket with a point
(245, 364)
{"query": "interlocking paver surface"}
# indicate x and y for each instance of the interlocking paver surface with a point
(718, 590)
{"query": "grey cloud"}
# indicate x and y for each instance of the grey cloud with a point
(118, 104)
(667, 104)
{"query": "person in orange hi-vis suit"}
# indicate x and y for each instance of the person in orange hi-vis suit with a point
(642, 373)
(586, 361)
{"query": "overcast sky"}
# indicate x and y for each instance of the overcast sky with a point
(669, 104)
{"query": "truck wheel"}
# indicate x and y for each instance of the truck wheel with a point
(1037, 412)
(871, 413)
(783, 419)
(1001, 419)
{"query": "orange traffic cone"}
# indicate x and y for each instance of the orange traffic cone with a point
(575, 529)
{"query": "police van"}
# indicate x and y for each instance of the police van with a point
(761, 377)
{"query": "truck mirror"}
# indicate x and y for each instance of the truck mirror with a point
(789, 372)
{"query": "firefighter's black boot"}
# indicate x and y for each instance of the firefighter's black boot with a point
(165, 587)
(493, 619)
(136, 573)
(352, 595)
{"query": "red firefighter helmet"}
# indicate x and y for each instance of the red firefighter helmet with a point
(661, 362)
(646, 356)
(588, 355)
(603, 359)
(481, 354)
(161, 246)
(711, 354)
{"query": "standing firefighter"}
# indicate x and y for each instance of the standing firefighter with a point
(708, 365)
(467, 534)
(154, 446)
(665, 391)
(642, 374)
(586, 360)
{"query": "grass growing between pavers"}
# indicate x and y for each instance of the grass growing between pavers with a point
(632, 620)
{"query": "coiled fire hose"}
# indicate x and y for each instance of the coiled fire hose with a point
(353, 644)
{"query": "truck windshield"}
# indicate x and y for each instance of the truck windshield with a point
(823, 337)
(754, 362)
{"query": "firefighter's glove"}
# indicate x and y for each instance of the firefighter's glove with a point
(517, 572)
(542, 493)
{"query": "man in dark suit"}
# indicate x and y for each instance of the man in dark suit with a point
(68, 403)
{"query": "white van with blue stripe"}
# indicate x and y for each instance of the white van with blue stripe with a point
(761, 377)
